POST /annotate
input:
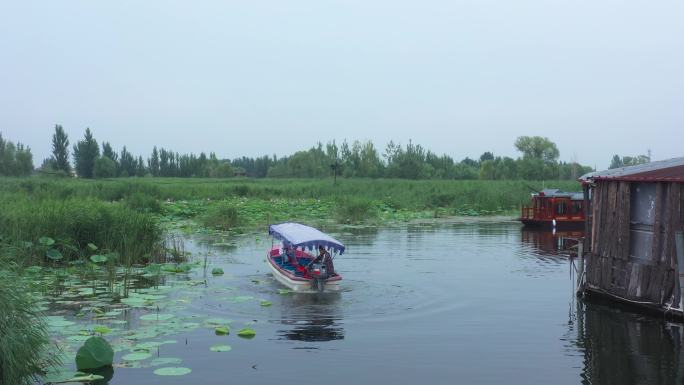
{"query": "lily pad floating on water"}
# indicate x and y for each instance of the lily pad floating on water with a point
(222, 330)
(68, 377)
(247, 333)
(46, 241)
(266, 303)
(95, 353)
(102, 329)
(137, 356)
(147, 345)
(218, 321)
(98, 258)
(156, 317)
(78, 338)
(284, 291)
(58, 322)
(172, 371)
(165, 361)
(54, 254)
(217, 271)
(220, 348)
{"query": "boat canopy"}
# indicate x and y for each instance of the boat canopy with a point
(299, 235)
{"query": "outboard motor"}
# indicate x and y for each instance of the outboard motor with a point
(319, 274)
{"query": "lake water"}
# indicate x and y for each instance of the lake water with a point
(471, 303)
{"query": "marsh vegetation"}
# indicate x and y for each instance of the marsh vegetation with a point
(97, 248)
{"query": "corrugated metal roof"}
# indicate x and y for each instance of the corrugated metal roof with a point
(670, 170)
(556, 193)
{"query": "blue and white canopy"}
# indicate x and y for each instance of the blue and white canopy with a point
(299, 235)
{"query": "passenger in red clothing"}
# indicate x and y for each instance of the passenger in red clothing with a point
(324, 259)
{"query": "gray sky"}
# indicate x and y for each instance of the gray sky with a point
(262, 77)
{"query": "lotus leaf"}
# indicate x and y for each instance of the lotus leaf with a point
(98, 258)
(266, 303)
(68, 377)
(95, 353)
(46, 241)
(222, 330)
(137, 356)
(172, 371)
(247, 333)
(156, 317)
(58, 322)
(102, 329)
(54, 254)
(218, 321)
(78, 338)
(147, 345)
(220, 348)
(165, 361)
(92, 246)
(217, 271)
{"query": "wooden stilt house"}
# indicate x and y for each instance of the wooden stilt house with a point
(634, 248)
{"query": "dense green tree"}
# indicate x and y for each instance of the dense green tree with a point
(108, 151)
(616, 162)
(140, 169)
(486, 156)
(127, 164)
(153, 162)
(223, 170)
(408, 163)
(15, 159)
(86, 151)
(470, 162)
(104, 167)
(537, 147)
(488, 169)
(60, 149)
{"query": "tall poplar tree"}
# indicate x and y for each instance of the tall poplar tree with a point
(60, 149)
(86, 151)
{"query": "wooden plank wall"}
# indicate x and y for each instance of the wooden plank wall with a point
(610, 267)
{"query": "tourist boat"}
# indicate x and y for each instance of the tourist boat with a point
(295, 274)
(552, 208)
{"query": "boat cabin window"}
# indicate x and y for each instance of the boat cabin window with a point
(561, 208)
(577, 207)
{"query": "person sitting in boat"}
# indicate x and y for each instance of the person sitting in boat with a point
(325, 259)
(289, 255)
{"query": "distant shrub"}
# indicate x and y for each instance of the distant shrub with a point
(142, 202)
(222, 217)
(104, 168)
(441, 200)
(355, 210)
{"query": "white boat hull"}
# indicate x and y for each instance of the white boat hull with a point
(301, 286)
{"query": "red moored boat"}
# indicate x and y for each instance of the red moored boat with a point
(553, 208)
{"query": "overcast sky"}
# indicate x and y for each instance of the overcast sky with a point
(261, 77)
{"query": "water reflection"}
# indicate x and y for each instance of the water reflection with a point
(552, 242)
(620, 347)
(312, 318)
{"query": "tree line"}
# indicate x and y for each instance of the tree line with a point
(538, 160)
(15, 159)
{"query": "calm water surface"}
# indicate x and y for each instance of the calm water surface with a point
(482, 303)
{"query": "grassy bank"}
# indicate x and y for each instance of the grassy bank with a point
(453, 197)
(37, 229)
